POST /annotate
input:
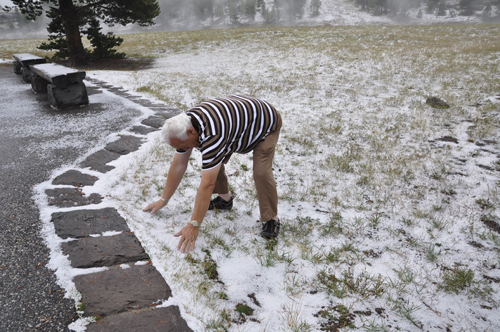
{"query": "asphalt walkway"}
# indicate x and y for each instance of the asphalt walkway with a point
(35, 140)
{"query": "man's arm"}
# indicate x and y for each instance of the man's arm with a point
(204, 193)
(174, 177)
(189, 233)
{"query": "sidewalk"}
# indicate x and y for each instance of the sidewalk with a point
(35, 141)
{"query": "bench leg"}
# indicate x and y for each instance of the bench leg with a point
(73, 95)
(17, 67)
(38, 84)
(26, 75)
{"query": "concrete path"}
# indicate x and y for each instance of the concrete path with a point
(122, 299)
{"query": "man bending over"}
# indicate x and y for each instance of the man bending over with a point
(218, 128)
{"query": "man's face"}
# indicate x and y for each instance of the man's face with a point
(191, 142)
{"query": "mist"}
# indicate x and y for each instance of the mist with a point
(183, 15)
(210, 14)
(4, 3)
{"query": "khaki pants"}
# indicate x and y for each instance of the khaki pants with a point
(263, 176)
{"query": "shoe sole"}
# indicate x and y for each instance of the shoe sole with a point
(268, 236)
(214, 208)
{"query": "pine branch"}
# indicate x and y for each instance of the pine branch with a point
(93, 5)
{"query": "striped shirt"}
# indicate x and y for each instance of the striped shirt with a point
(232, 124)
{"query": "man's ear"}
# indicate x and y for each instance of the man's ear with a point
(191, 131)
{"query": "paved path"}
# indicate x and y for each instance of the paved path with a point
(33, 144)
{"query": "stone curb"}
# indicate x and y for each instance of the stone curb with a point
(104, 251)
(155, 320)
(83, 223)
(126, 295)
(119, 290)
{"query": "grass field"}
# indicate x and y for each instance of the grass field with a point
(389, 207)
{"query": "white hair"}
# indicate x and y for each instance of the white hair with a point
(176, 127)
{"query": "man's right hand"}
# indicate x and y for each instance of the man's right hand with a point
(154, 207)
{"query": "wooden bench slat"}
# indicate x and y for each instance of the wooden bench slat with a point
(59, 75)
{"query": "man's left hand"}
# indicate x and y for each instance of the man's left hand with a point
(188, 234)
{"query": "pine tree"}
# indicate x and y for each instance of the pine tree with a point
(466, 7)
(441, 9)
(272, 16)
(378, 7)
(250, 9)
(103, 44)
(232, 10)
(202, 9)
(260, 6)
(72, 17)
(486, 11)
(295, 9)
(393, 6)
(432, 5)
(314, 7)
(362, 3)
(57, 38)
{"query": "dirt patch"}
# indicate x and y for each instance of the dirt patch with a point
(492, 279)
(435, 102)
(476, 244)
(490, 223)
(254, 299)
(243, 312)
(337, 317)
(448, 139)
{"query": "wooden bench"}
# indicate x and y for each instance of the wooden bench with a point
(63, 85)
(22, 64)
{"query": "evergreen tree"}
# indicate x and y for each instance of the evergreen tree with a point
(432, 5)
(260, 6)
(466, 7)
(441, 10)
(57, 38)
(171, 10)
(272, 16)
(362, 3)
(250, 9)
(219, 11)
(295, 9)
(378, 7)
(232, 11)
(72, 17)
(103, 44)
(202, 9)
(393, 6)
(314, 7)
(405, 6)
(486, 11)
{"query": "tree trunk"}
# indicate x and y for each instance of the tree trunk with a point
(69, 17)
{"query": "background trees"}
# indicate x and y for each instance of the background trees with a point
(71, 19)
(193, 13)
(438, 7)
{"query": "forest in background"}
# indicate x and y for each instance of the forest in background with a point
(199, 14)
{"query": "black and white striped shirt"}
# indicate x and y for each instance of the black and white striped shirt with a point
(232, 124)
